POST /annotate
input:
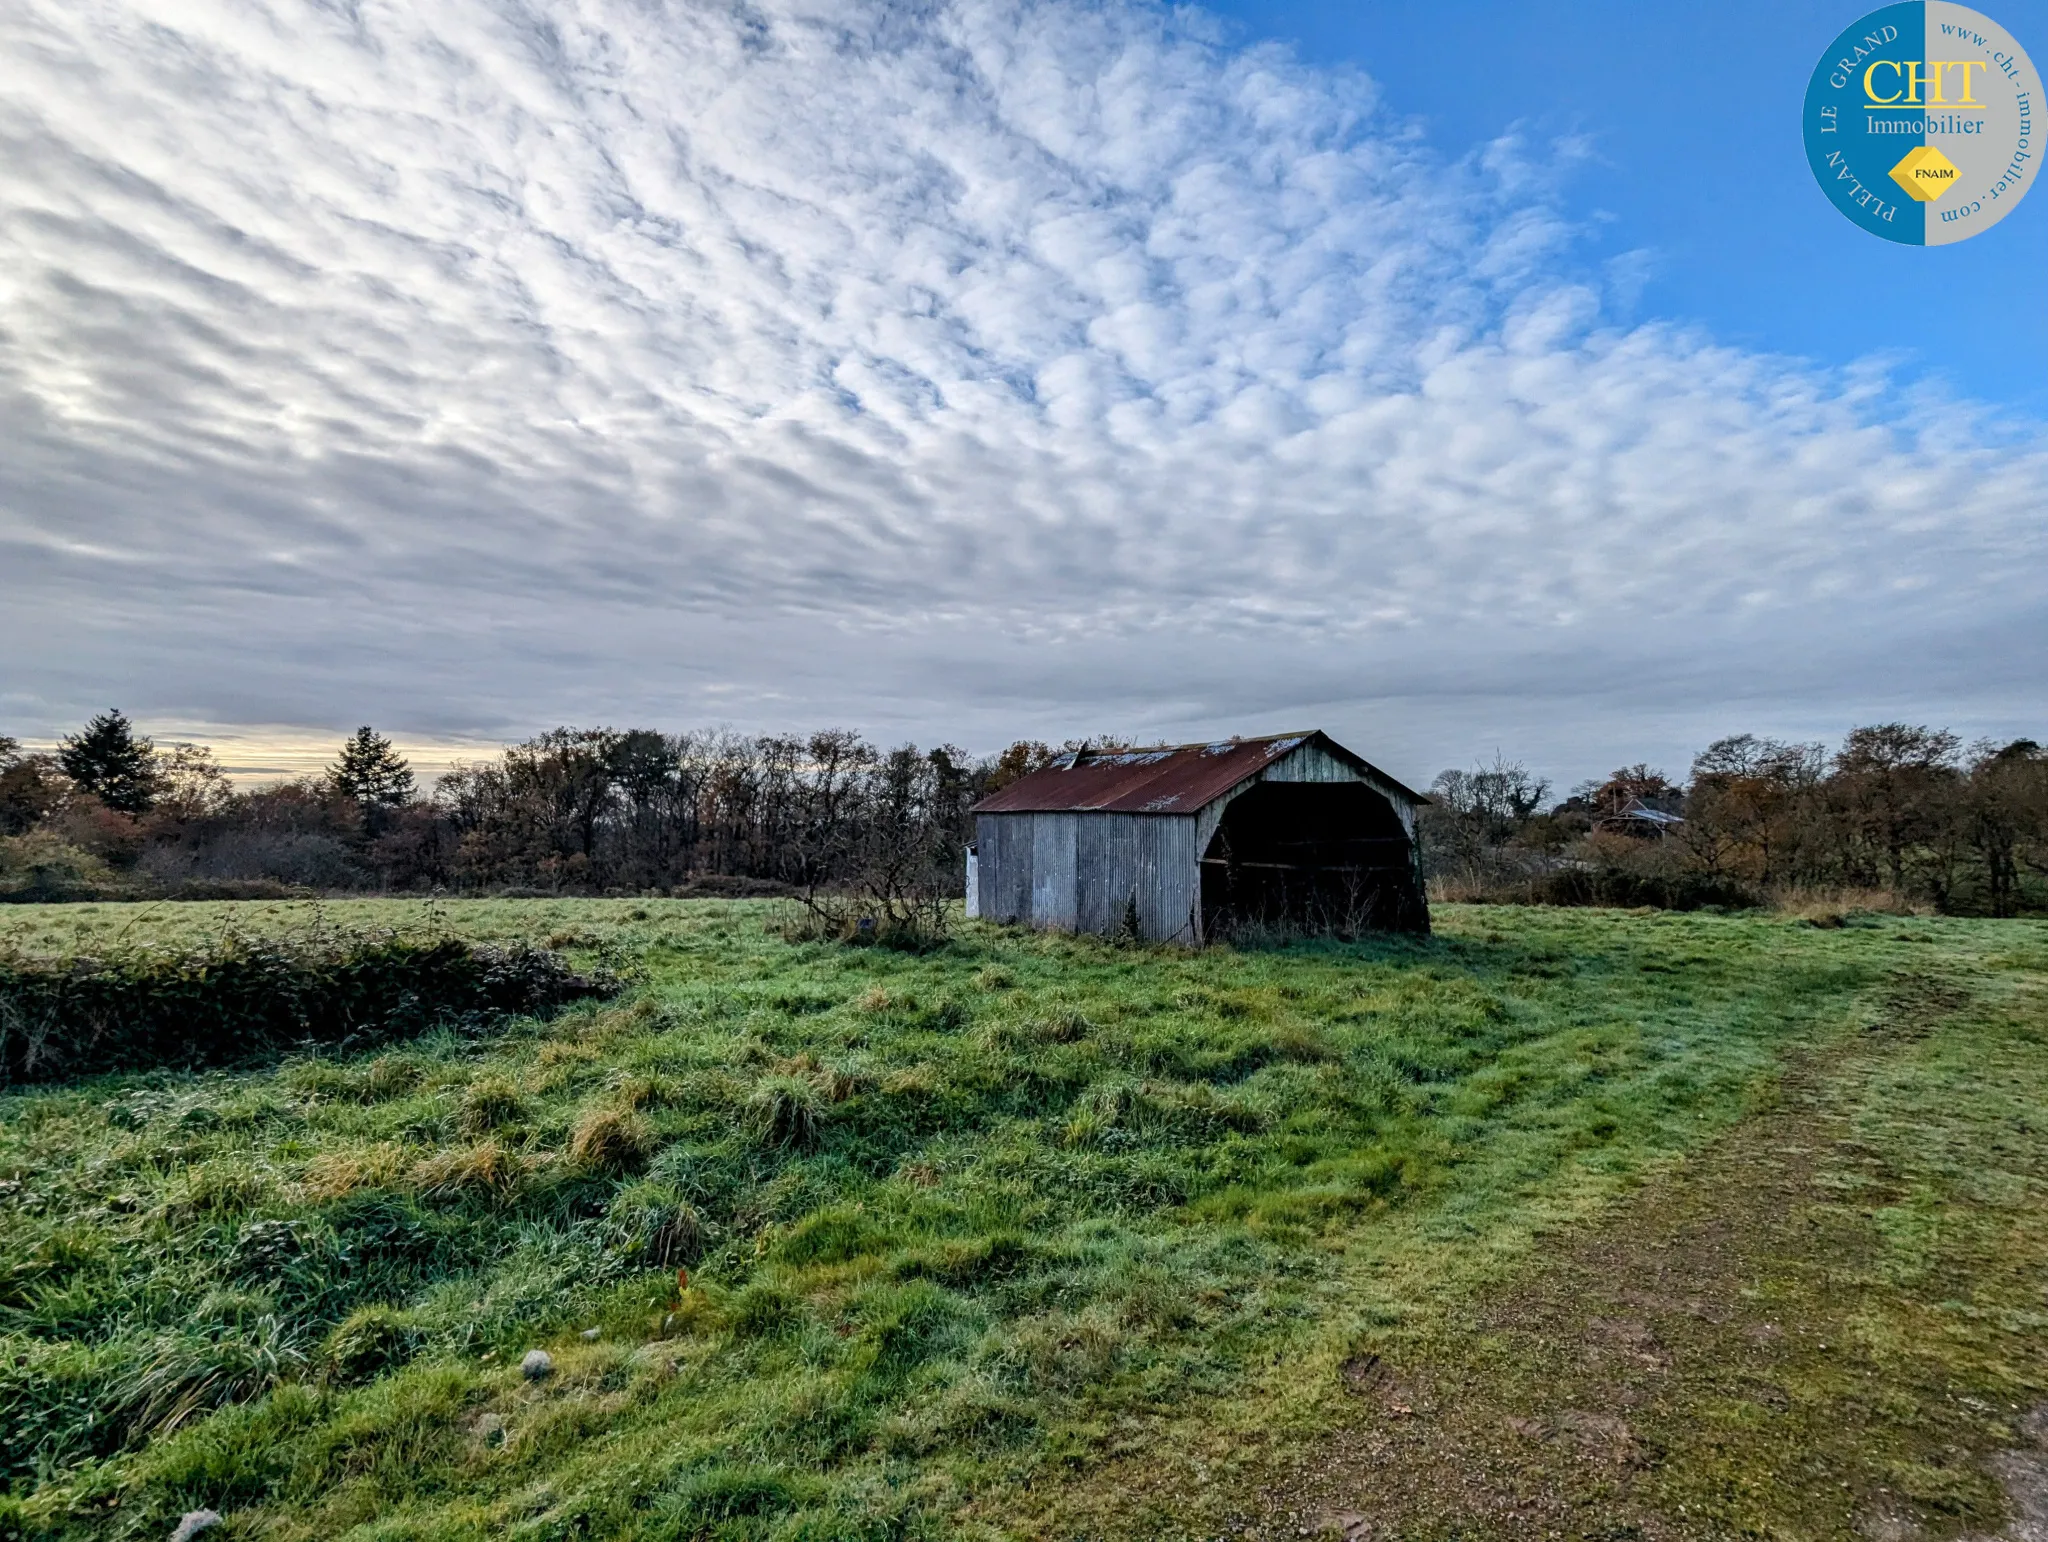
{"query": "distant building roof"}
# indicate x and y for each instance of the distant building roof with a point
(1163, 779)
(1643, 813)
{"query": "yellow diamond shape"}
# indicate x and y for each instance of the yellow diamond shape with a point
(1925, 173)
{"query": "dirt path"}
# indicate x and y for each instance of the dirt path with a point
(1735, 1353)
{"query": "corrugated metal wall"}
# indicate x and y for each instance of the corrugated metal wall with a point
(1052, 870)
(1003, 865)
(1080, 872)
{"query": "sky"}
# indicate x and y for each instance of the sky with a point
(1692, 159)
(1457, 378)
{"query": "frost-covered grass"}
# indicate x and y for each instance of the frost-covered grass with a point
(957, 1226)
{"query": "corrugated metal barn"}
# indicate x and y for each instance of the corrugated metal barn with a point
(1194, 841)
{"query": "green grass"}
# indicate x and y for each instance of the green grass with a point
(977, 1240)
(1827, 1322)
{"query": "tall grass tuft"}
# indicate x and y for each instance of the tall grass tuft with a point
(788, 1113)
(607, 1140)
(490, 1104)
(482, 1171)
(368, 1342)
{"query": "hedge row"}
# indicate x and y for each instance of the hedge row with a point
(1664, 891)
(242, 1000)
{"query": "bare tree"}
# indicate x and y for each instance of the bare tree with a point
(1473, 814)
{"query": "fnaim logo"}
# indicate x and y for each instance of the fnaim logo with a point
(1920, 123)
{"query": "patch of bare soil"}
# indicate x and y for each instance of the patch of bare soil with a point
(2023, 1474)
(1701, 1366)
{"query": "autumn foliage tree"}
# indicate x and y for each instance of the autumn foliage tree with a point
(1899, 809)
(1751, 806)
(29, 788)
(1892, 786)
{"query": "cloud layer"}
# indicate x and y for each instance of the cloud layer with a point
(950, 369)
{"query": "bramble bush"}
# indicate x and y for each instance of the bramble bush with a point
(244, 999)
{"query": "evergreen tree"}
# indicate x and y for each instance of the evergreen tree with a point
(371, 771)
(111, 763)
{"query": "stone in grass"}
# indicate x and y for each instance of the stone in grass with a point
(194, 1522)
(537, 1364)
(590, 1335)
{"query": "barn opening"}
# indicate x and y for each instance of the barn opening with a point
(1310, 857)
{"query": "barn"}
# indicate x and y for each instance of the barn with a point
(1188, 843)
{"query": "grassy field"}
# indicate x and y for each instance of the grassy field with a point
(1577, 1223)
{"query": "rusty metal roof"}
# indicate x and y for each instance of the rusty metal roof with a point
(1164, 779)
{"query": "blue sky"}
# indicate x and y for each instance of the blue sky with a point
(1456, 379)
(1692, 118)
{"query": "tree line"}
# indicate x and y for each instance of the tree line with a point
(1903, 811)
(574, 810)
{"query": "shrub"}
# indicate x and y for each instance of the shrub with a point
(39, 868)
(886, 909)
(241, 1000)
(1663, 887)
(1623, 888)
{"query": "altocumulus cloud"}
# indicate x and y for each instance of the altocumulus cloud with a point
(950, 369)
